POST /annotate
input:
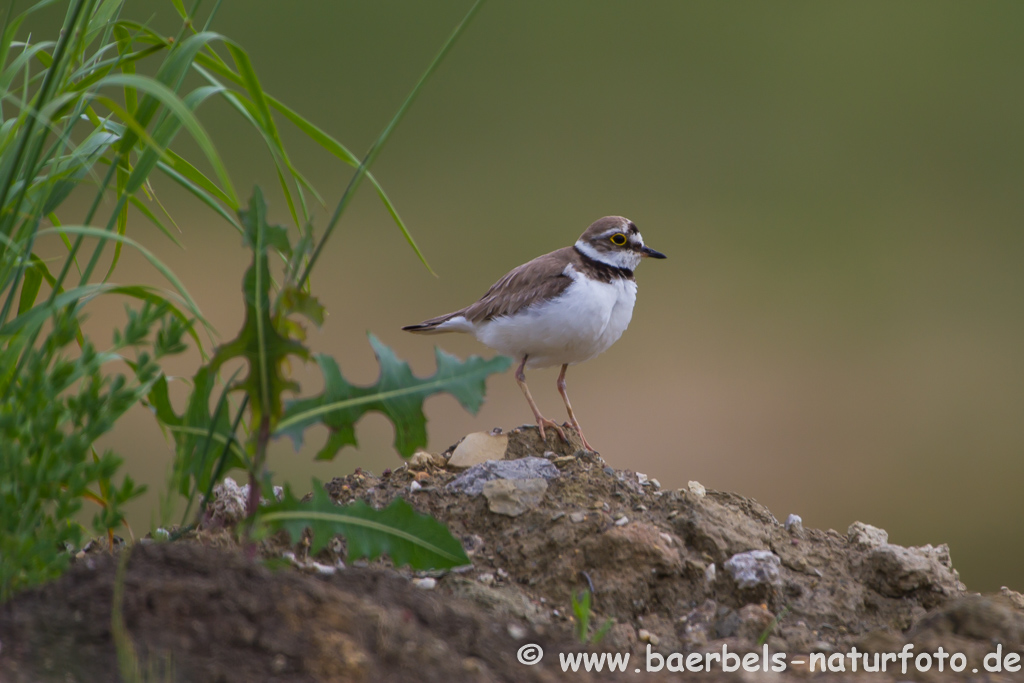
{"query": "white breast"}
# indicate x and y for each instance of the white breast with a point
(586, 319)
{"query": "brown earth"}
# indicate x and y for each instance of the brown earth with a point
(683, 571)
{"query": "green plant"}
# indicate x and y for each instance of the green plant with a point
(270, 335)
(581, 611)
(770, 628)
(49, 420)
(407, 537)
(78, 118)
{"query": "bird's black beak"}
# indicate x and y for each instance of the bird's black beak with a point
(647, 251)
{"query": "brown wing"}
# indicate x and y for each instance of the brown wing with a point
(542, 278)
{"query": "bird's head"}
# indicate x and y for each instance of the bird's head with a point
(616, 241)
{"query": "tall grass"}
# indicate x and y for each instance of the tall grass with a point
(78, 115)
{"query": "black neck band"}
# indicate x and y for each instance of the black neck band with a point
(605, 270)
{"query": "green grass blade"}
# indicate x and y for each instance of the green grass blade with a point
(341, 152)
(145, 211)
(378, 145)
(178, 108)
(100, 233)
(199, 193)
(30, 284)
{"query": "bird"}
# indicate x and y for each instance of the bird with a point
(562, 308)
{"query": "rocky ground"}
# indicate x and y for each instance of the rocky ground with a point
(675, 574)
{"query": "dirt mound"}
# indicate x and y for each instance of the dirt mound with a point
(677, 574)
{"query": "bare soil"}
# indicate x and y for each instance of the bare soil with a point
(681, 571)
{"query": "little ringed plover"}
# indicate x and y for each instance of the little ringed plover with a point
(561, 308)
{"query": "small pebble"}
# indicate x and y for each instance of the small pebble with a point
(420, 460)
(641, 508)
(622, 521)
(577, 517)
(794, 524)
(673, 514)
(647, 637)
(486, 578)
(427, 584)
(609, 471)
(696, 488)
(557, 516)
(502, 573)
(516, 631)
(414, 487)
(642, 479)
(655, 483)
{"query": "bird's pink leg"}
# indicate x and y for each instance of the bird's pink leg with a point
(541, 420)
(568, 407)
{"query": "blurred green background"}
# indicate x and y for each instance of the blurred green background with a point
(838, 330)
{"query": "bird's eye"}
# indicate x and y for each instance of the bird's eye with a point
(618, 239)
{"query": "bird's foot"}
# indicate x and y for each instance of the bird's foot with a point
(584, 440)
(579, 430)
(541, 421)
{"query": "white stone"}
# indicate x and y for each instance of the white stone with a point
(866, 535)
(754, 567)
(478, 447)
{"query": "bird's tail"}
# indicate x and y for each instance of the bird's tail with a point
(450, 322)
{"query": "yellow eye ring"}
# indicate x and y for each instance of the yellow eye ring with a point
(618, 239)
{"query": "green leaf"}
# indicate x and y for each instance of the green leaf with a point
(408, 537)
(198, 435)
(30, 286)
(298, 301)
(398, 394)
(259, 342)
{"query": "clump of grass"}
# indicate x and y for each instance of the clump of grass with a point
(581, 609)
(77, 115)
